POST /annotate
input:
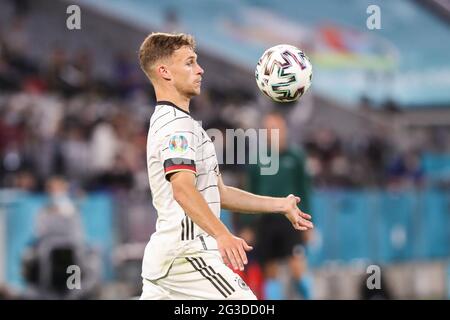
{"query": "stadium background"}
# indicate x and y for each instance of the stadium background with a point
(375, 127)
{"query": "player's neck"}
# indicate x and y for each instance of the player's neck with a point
(180, 101)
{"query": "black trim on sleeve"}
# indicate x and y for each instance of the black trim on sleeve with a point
(178, 164)
(173, 162)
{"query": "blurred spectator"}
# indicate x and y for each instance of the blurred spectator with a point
(60, 217)
(21, 7)
(59, 243)
(16, 39)
(9, 78)
(302, 286)
(62, 76)
(76, 152)
(252, 275)
(118, 179)
(104, 146)
(275, 236)
(81, 68)
(57, 64)
(326, 163)
(26, 181)
(128, 76)
(406, 171)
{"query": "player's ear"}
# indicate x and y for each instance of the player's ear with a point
(164, 72)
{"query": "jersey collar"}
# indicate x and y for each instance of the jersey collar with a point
(168, 103)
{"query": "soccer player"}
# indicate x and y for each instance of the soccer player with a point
(191, 253)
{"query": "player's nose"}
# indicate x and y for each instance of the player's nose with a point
(200, 71)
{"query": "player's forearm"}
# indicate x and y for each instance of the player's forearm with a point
(238, 200)
(198, 210)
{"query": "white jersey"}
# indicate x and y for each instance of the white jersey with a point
(177, 142)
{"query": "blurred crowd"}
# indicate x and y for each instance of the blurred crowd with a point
(93, 129)
(57, 117)
(361, 163)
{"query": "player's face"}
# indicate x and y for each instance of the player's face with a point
(186, 72)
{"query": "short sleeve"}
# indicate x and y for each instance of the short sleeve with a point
(178, 149)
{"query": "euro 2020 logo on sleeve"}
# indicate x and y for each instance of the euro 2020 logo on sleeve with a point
(178, 143)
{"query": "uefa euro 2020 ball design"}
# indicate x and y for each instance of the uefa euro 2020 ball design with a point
(283, 73)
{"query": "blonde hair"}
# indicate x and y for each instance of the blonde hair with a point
(160, 45)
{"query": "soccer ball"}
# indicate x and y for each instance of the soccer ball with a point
(283, 73)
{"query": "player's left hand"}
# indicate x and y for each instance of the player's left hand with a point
(299, 219)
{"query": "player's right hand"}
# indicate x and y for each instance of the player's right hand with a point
(300, 220)
(232, 249)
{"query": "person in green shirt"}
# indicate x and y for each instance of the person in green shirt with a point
(276, 241)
